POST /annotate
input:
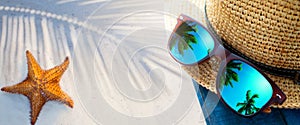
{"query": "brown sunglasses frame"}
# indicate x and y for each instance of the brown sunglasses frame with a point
(278, 97)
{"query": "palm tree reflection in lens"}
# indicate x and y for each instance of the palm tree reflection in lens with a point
(238, 78)
(248, 106)
(190, 42)
(230, 74)
(185, 32)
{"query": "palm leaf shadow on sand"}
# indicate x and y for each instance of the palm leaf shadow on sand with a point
(63, 39)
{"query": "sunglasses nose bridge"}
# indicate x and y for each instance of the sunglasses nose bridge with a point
(221, 52)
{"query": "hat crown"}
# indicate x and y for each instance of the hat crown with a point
(266, 31)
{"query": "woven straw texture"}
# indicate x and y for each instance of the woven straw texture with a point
(267, 32)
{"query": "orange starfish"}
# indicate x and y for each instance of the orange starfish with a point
(41, 86)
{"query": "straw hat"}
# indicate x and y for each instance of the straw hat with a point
(267, 33)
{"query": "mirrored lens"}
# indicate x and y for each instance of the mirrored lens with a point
(190, 43)
(243, 88)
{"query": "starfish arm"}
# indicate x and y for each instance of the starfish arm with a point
(34, 69)
(24, 88)
(41, 86)
(53, 75)
(53, 92)
(37, 102)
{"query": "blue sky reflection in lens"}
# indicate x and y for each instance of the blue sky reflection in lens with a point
(190, 43)
(239, 88)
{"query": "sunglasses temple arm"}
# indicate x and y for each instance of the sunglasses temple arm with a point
(278, 97)
(267, 110)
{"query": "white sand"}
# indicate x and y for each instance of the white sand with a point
(120, 71)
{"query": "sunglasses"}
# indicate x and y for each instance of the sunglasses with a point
(240, 85)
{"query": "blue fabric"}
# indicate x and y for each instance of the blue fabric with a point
(217, 113)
